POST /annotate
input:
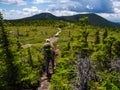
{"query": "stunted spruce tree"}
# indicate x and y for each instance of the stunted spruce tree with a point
(11, 75)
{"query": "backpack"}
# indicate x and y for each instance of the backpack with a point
(47, 50)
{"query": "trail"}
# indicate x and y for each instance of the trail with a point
(45, 81)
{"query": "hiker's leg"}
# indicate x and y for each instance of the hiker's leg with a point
(52, 61)
(47, 65)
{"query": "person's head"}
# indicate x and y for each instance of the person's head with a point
(48, 40)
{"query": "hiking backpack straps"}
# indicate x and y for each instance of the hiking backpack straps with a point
(47, 50)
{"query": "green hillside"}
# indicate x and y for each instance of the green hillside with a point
(93, 19)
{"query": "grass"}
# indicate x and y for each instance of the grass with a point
(32, 34)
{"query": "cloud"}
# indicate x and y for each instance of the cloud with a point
(16, 14)
(13, 2)
(116, 5)
(41, 1)
(62, 1)
(115, 16)
(12, 14)
(32, 10)
(64, 13)
(2, 10)
(96, 6)
(48, 1)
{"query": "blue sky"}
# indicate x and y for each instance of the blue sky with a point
(14, 9)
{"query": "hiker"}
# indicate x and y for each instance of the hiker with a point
(49, 54)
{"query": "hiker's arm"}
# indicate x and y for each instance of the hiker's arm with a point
(52, 46)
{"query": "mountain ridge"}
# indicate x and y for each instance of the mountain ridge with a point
(93, 19)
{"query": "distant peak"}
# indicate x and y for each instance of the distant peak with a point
(45, 13)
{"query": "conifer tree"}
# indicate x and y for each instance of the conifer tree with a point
(68, 46)
(18, 45)
(11, 75)
(116, 48)
(17, 33)
(105, 34)
(97, 38)
(84, 37)
(30, 61)
(69, 33)
(109, 43)
(83, 21)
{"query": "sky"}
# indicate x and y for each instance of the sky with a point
(15, 9)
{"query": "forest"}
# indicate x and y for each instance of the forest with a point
(89, 56)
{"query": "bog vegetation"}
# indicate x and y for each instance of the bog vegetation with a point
(89, 56)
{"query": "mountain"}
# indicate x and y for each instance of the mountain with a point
(42, 16)
(93, 19)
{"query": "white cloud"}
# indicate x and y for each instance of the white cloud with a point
(0, 10)
(89, 7)
(116, 3)
(115, 17)
(32, 10)
(13, 2)
(41, 1)
(95, 6)
(64, 13)
(117, 10)
(104, 15)
(17, 14)
(12, 14)
(62, 1)
(46, 1)
(116, 6)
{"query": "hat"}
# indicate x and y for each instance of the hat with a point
(47, 40)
